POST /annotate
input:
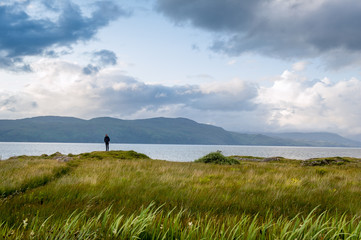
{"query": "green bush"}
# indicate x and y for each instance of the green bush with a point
(217, 158)
(100, 155)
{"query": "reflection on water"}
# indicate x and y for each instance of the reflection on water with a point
(182, 153)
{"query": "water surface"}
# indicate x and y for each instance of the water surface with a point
(173, 152)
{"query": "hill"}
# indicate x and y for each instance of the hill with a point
(149, 131)
(154, 131)
(322, 139)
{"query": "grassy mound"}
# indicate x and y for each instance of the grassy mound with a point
(326, 161)
(217, 158)
(113, 155)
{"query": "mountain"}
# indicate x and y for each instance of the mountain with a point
(322, 139)
(355, 137)
(154, 130)
(151, 131)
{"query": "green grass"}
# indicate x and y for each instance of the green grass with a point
(217, 158)
(154, 223)
(104, 195)
(20, 174)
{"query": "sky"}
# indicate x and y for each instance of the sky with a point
(246, 66)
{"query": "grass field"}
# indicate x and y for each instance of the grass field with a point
(126, 195)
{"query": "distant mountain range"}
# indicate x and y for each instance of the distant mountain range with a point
(322, 139)
(152, 131)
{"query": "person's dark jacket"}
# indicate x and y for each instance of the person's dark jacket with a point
(106, 139)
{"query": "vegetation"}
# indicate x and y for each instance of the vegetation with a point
(154, 130)
(326, 161)
(38, 172)
(126, 195)
(154, 223)
(217, 158)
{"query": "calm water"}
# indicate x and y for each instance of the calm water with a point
(182, 153)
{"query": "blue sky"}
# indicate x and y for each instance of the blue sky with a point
(249, 66)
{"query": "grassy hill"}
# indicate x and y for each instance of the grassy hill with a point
(153, 131)
(126, 195)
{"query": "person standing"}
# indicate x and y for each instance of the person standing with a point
(106, 140)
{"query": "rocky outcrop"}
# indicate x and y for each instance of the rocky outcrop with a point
(60, 157)
(257, 159)
(325, 161)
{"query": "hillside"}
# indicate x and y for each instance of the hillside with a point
(148, 131)
(322, 139)
(154, 130)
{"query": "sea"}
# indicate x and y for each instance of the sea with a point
(175, 152)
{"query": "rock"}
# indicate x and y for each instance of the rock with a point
(271, 159)
(60, 157)
(325, 161)
(257, 159)
(64, 159)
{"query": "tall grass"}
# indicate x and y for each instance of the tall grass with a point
(20, 174)
(154, 223)
(252, 200)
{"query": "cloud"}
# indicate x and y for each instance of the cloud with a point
(15, 104)
(105, 57)
(299, 66)
(126, 95)
(295, 104)
(234, 95)
(232, 62)
(14, 64)
(195, 47)
(201, 76)
(276, 28)
(101, 59)
(27, 31)
(90, 69)
(212, 15)
(111, 93)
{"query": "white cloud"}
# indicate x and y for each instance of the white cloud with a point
(62, 88)
(299, 66)
(295, 104)
(232, 62)
(235, 86)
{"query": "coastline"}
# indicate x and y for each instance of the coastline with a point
(178, 153)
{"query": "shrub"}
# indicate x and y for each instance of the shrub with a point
(325, 161)
(217, 158)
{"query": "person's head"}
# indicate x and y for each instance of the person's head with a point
(106, 135)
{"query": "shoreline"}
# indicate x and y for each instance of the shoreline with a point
(177, 153)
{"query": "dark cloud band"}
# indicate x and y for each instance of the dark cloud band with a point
(23, 35)
(286, 29)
